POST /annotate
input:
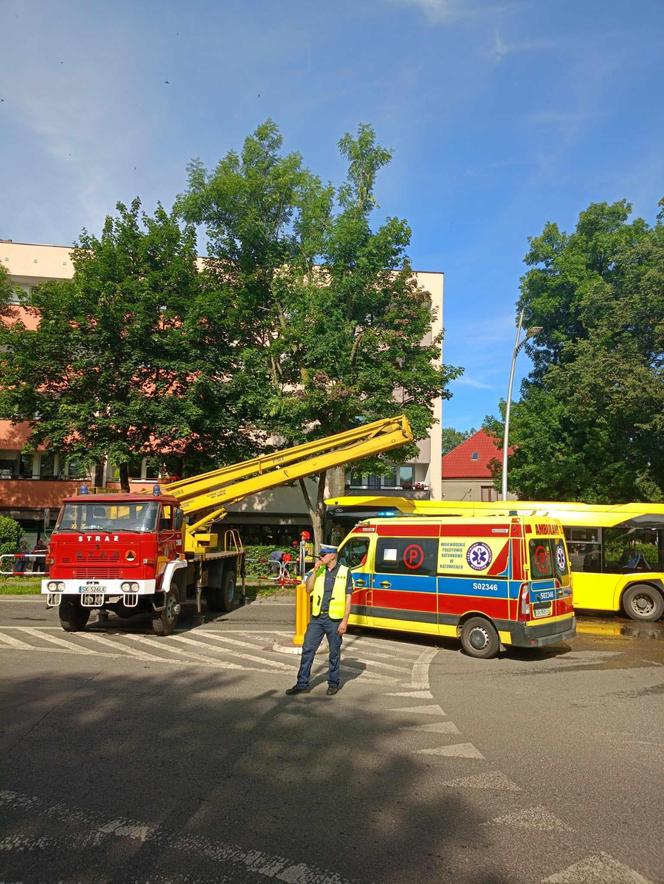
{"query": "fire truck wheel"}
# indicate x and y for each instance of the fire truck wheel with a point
(73, 616)
(228, 591)
(163, 622)
(479, 638)
(643, 602)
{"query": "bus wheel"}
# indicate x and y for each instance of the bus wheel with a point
(479, 638)
(73, 616)
(227, 594)
(163, 622)
(643, 602)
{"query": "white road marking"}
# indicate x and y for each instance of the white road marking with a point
(202, 645)
(601, 868)
(131, 652)
(12, 642)
(420, 678)
(378, 664)
(458, 750)
(434, 709)
(201, 658)
(416, 695)
(494, 779)
(438, 727)
(60, 642)
(277, 867)
(531, 818)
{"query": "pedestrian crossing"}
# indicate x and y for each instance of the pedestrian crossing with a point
(392, 664)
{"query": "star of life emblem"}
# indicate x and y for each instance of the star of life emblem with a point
(479, 556)
(561, 560)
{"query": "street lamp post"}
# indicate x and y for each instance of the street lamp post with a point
(530, 333)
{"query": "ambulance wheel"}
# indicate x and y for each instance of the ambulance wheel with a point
(479, 638)
(73, 616)
(227, 594)
(163, 622)
(643, 602)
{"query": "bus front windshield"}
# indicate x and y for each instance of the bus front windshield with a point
(136, 518)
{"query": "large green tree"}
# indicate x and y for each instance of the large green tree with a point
(329, 319)
(121, 364)
(590, 423)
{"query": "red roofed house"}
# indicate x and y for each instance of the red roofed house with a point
(467, 472)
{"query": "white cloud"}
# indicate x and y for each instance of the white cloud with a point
(500, 49)
(466, 381)
(441, 12)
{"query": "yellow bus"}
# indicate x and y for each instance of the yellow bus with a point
(616, 550)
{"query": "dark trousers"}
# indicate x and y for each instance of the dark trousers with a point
(317, 628)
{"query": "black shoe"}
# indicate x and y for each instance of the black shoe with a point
(297, 690)
(332, 690)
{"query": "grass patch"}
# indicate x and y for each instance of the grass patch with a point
(20, 585)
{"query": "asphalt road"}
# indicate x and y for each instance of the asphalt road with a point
(131, 758)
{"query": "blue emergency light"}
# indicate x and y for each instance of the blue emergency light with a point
(156, 490)
(386, 514)
(84, 489)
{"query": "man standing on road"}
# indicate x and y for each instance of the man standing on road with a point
(331, 586)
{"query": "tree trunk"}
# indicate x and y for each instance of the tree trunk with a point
(99, 474)
(316, 509)
(124, 477)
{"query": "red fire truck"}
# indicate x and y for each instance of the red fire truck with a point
(133, 553)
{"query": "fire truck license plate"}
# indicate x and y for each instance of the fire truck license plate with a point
(92, 589)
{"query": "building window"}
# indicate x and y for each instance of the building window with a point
(475, 455)
(406, 477)
(46, 466)
(488, 493)
(25, 466)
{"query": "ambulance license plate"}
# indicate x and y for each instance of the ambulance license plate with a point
(542, 610)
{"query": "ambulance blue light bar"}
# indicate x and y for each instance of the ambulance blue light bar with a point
(386, 514)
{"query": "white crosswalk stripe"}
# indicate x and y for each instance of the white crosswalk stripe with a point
(60, 642)
(109, 643)
(11, 642)
(252, 650)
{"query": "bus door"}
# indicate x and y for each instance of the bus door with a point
(404, 583)
(356, 554)
(473, 572)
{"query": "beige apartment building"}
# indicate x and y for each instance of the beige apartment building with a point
(32, 485)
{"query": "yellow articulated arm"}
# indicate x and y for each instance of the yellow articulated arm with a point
(210, 493)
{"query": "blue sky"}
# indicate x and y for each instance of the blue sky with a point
(502, 116)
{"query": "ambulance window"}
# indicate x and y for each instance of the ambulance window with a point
(354, 552)
(541, 559)
(406, 555)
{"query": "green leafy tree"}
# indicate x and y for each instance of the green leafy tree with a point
(11, 534)
(6, 297)
(329, 319)
(452, 437)
(121, 363)
(590, 423)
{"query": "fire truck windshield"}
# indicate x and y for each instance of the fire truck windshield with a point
(135, 518)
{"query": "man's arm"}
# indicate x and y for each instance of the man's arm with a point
(311, 576)
(343, 626)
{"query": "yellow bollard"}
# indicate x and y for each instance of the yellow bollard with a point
(302, 614)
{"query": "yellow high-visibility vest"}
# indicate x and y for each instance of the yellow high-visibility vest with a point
(338, 597)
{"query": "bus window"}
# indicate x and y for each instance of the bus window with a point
(628, 548)
(354, 553)
(404, 555)
(585, 549)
